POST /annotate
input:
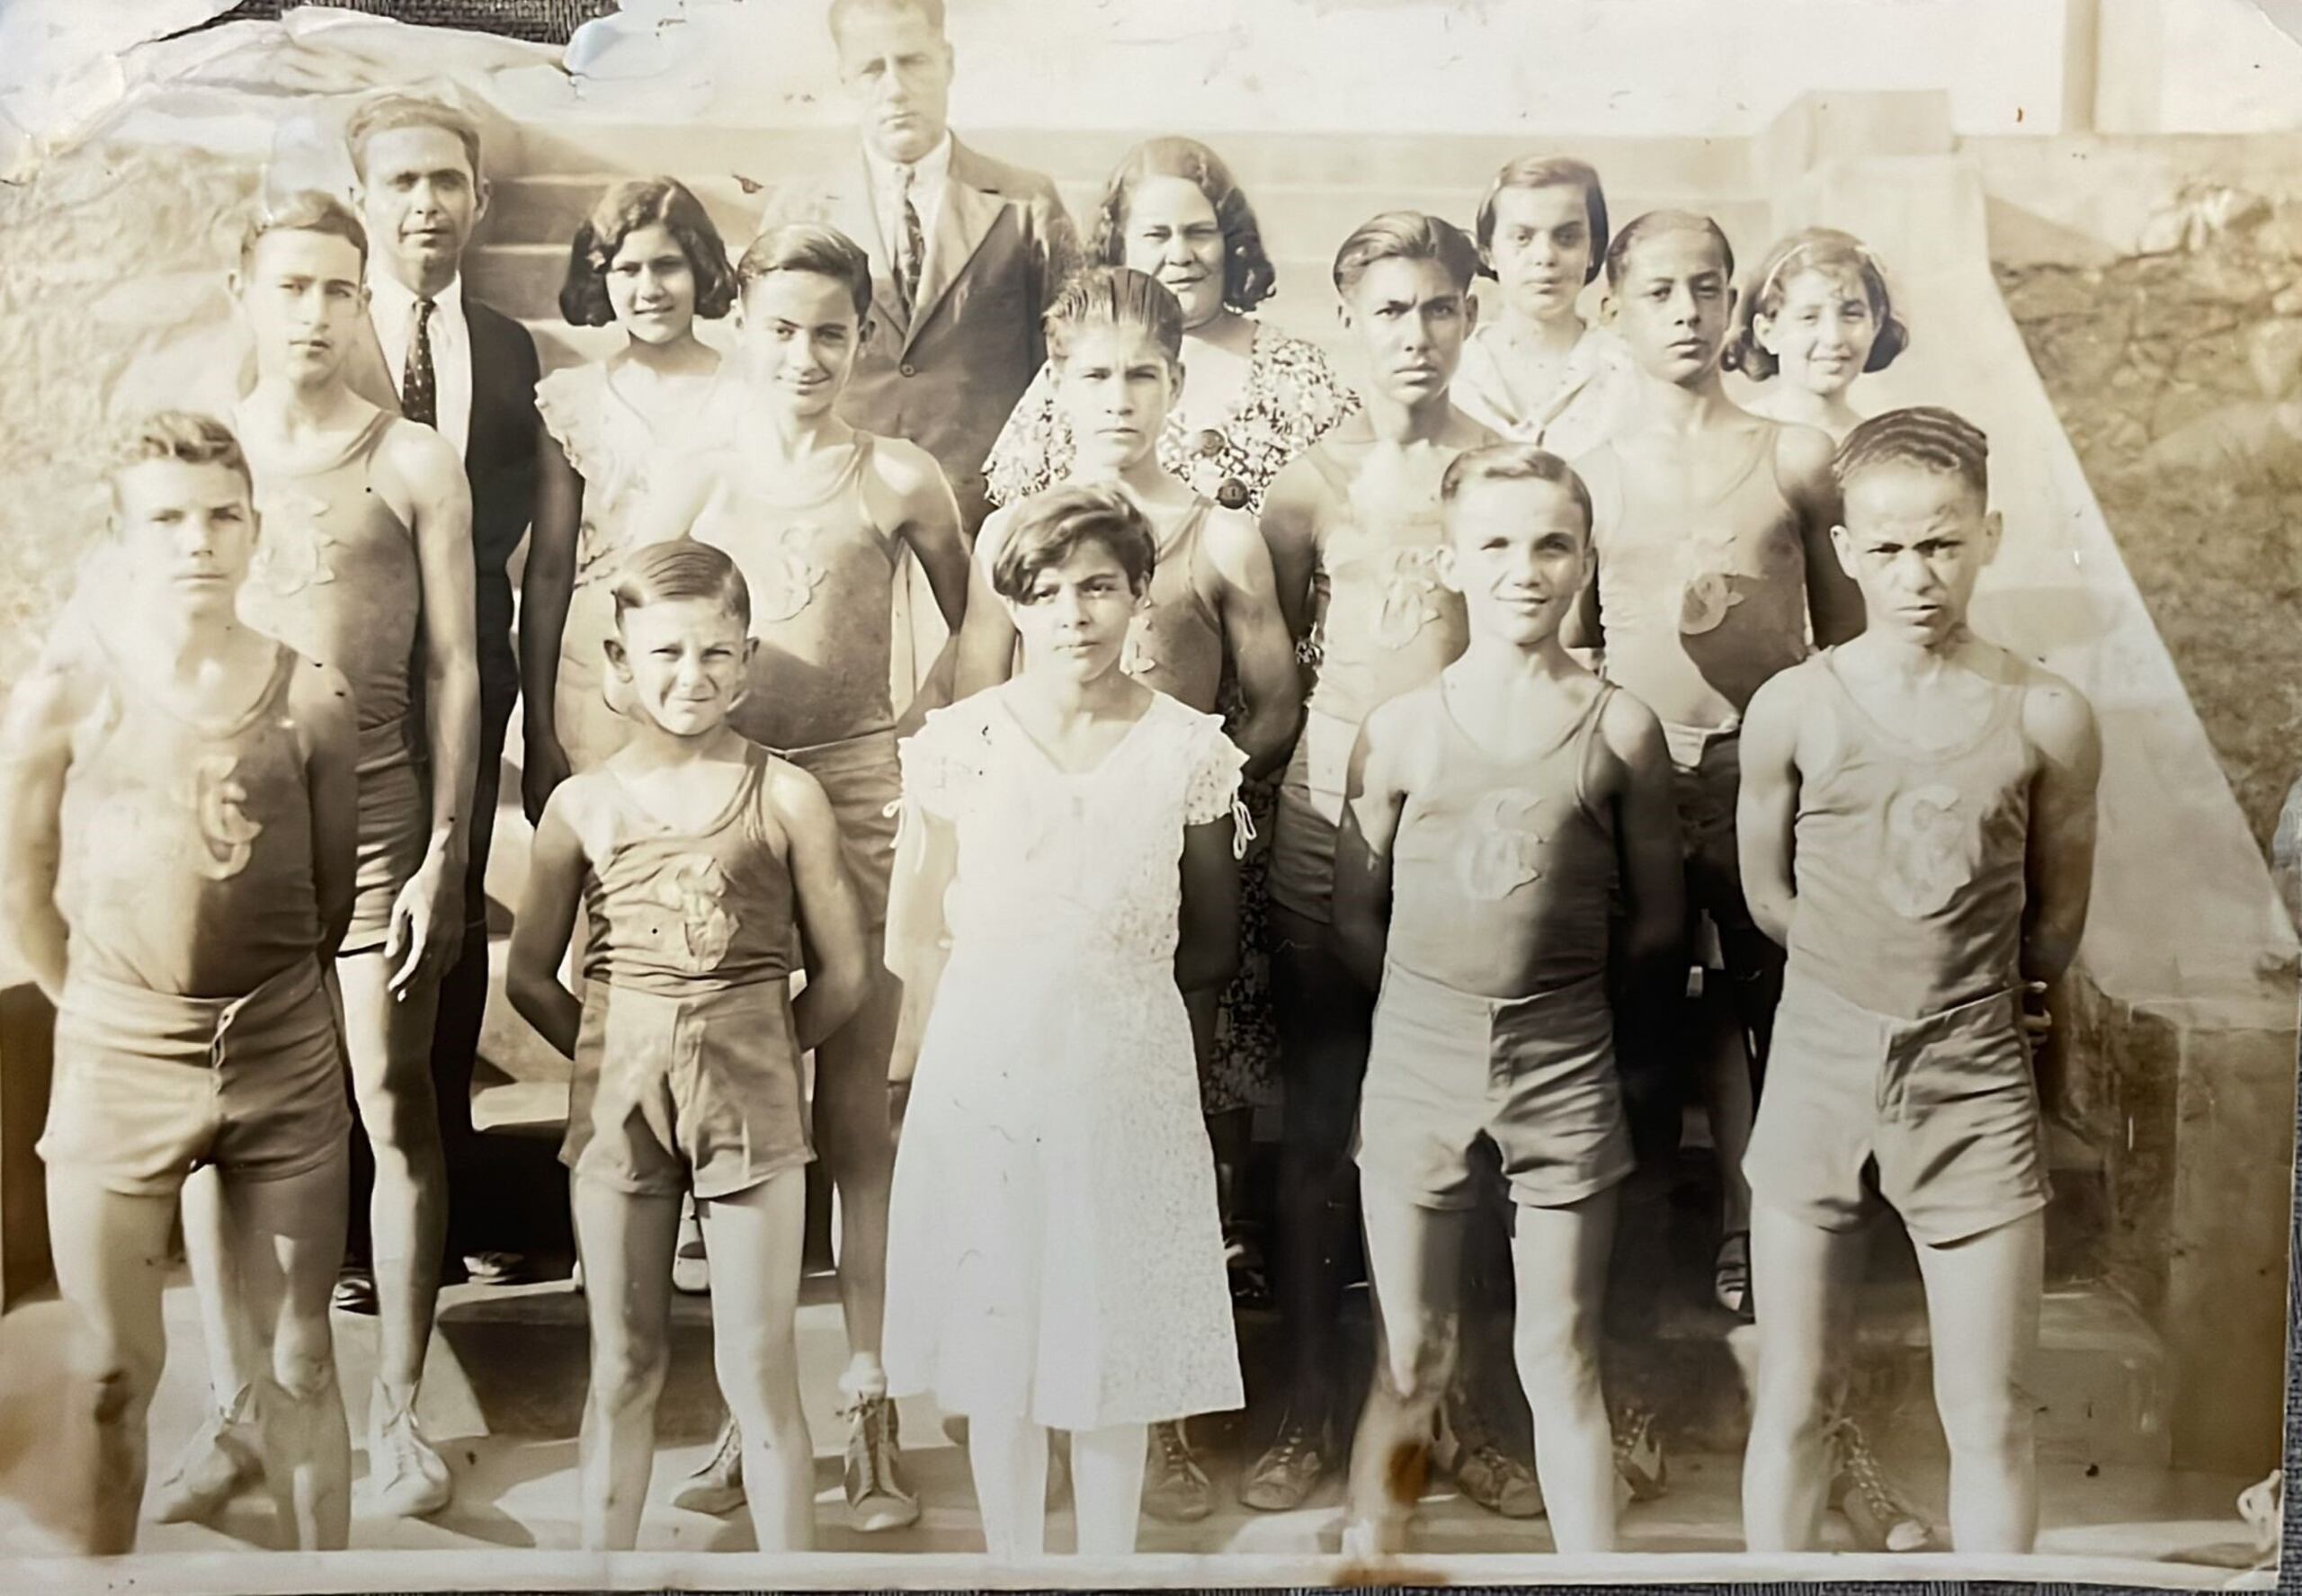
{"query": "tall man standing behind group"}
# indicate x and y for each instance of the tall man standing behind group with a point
(966, 253)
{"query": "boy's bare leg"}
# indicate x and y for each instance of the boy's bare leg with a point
(215, 1279)
(624, 1241)
(1727, 1098)
(1809, 1275)
(1982, 1297)
(853, 1141)
(1416, 1257)
(1558, 1258)
(111, 1263)
(219, 1455)
(753, 1239)
(289, 1243)
(388, 1042)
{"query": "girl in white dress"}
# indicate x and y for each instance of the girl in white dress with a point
(648, 261)
(1066, 873)
(1538, 372)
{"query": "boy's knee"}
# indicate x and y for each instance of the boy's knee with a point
(629, 1377)
(1989, 1421)
(117, 1385)
(305, 1376)
(1419, 1370)
(1556, 1346)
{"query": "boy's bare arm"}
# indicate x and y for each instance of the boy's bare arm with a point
(1374, 795)
(985, 655)
(1207, 945)
(1766, 808)
(1803, 457)
(2060, 859)
(1256, 633)
(539, 933)
(321, 700)
(1290, 529)
(427, 921)
(831, 919)
(1653, 855)
(926, 517)
(35, 752)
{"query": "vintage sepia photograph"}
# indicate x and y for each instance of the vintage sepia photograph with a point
(961, 794)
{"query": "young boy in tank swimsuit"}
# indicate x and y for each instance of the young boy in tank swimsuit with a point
(180, 804)
(1712, 527)
(365, 563)
(1354, 533)
(816, 515)
(1918, 829)
(695, 854)
(1494, 816)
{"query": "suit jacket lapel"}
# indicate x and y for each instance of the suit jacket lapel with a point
(854, 214)
(965, 219)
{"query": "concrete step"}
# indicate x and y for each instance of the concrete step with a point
(1260, 161)
(2099, 1380)
(546, 208)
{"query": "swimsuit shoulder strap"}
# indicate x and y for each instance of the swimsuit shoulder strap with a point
(1584, 738)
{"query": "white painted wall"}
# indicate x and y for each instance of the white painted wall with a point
(2200, 66)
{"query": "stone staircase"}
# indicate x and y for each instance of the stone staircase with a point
(2100, 1384)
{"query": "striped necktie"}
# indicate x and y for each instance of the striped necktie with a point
(911, 246)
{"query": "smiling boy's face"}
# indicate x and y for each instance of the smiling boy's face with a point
(800, 337)
(686, 662)
(1519, 551)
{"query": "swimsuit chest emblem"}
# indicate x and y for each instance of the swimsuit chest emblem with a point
(1501, 848)
(790, 577)
(211, 792)
(692, 886)
(1931, 853)
(292, 554)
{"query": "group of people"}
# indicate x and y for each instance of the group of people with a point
(987, 732)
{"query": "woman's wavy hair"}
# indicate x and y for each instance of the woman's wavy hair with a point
(1248, 276)
(623, 210)
(1815, 249)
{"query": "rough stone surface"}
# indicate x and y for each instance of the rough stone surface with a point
(2159, 369)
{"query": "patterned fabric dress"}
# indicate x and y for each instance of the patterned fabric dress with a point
(1291, 398)
(617, 451)
(1054, 1250)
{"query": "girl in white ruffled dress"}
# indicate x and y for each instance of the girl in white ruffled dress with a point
(1067, 872)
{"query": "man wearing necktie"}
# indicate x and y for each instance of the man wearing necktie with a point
(967, 252)
(469, 371)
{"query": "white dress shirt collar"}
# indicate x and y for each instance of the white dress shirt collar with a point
(929, 175)
(391, 306)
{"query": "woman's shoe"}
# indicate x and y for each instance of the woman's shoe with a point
(1882, 1519)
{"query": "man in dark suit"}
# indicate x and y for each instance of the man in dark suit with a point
(471, 372)
(967, 252)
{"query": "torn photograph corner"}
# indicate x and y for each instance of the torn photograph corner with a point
(962, 794)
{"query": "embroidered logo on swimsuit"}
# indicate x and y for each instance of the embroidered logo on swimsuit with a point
(789, 577)
(215, 796)
(1502, 849)
(1930, 851)
(292, 554)
(692, 886)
